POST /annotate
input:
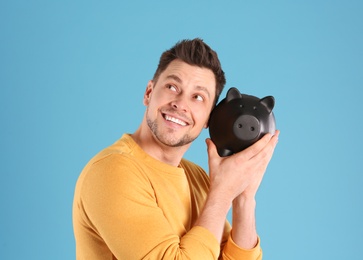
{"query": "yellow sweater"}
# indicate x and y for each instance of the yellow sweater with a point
(128, 205)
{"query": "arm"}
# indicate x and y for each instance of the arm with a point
(235, 180)
(118, 213)
(244, 205)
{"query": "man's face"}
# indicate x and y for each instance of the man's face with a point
(179, 103)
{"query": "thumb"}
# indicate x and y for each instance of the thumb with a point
(211, 149)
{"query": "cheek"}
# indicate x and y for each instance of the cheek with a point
(154, 105)
(202, 117)
(151, 109)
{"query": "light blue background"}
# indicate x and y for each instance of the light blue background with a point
(72, 77)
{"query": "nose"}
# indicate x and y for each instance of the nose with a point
(180, 104)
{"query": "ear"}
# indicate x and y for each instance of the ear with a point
(206, 125)
(268, 102)
(233, 93)
(148, 91)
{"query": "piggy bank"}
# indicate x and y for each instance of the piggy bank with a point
(240, 120)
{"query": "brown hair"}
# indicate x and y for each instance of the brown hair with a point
(194, 52)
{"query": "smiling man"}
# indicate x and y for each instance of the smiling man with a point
(178, 102)
(140, 199)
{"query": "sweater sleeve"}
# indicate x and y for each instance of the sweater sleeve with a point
(119, 209)
(233, 252)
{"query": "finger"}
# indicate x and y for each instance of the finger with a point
(254, 149)
(266, 153)
(211, 149)
(277, 133)
(275, 138)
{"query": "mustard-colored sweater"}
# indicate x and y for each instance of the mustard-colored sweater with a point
(128, 205)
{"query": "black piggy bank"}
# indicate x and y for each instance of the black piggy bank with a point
(240, 120)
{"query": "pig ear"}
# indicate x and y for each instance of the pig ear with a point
(233, 93)
(268, 102)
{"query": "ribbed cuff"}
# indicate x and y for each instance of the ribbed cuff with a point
(232, 251)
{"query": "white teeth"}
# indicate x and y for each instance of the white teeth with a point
(175, 120)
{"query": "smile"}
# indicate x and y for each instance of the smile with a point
(175, 120)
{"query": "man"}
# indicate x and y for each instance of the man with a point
(139, 199)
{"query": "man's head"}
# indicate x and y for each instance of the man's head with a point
(183, 92)
(194, 52)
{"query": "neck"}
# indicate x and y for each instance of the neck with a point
(167, 154)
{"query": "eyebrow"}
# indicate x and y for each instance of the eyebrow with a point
(174, 77)
(177, 79)
(204, 89)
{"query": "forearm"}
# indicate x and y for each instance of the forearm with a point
(213, 215)
(244, 232)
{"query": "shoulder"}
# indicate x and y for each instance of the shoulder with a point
(119, 160)
(114, 167)
(112, 172)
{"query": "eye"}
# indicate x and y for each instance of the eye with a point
(199, 97)
(171, 87)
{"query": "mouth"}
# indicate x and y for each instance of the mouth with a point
(175, 120)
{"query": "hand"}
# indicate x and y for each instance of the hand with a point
(242, 172)
(251, 190)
